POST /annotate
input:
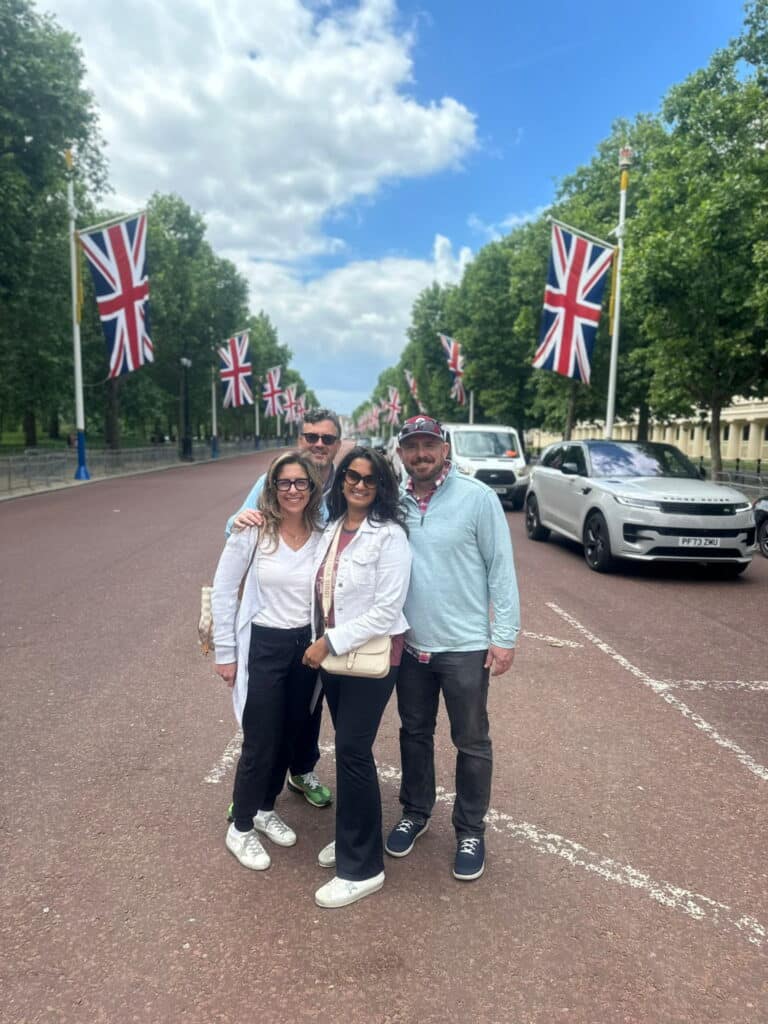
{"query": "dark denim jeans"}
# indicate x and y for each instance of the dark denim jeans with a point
(464, 684)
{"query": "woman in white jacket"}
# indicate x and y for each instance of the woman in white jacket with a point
(370, 573)
(260, 641)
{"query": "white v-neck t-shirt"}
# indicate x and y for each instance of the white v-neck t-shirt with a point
(285, 582)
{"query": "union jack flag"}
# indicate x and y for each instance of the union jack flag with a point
(236, 371)
(393, 407)
(117, 256)
(271, 392)
(289, 404)
(572, 301)
(452, 350)
(301, 408)
(413, 387)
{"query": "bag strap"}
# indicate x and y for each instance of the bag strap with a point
(329, 572)
(241, 588)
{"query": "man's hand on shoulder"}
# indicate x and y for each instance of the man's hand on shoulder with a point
(248, 517)
(499, 659)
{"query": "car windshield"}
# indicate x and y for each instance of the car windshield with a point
(612, 459)
(479, 443)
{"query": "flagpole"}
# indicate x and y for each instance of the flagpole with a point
(214, 425)
(256, 400)
(81, 473)
(472, 406)
(625, 160)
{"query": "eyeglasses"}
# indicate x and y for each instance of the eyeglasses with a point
(354, 478)
(327, 439)
(301, 483)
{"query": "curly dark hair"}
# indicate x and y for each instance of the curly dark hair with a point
(386, 507)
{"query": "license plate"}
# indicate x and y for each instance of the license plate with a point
(499, 490)
(699, 542)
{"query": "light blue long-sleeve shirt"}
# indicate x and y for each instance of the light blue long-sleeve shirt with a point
(252, 500)
(462, 565)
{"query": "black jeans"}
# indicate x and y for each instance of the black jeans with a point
(306, 749)
(464, 684)
(356, 707)
(276, 707)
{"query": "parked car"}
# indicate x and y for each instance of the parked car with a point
(637, 500)
(761, 523)
(493, 454)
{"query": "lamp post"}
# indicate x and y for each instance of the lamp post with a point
(186, 429)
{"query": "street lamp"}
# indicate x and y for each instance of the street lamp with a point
(186, 428)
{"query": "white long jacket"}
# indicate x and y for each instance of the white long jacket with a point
(371, 584)
(232, 619)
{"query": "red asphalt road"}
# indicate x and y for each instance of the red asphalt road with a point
(626, 878)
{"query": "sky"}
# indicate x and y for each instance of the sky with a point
(345, 155)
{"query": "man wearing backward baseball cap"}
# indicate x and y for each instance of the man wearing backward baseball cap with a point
(464, 616)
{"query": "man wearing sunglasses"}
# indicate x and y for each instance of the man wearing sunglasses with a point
(320, 436)
(464, 616)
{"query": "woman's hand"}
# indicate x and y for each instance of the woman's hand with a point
(248, 517)
(315, 653)
(227, 672)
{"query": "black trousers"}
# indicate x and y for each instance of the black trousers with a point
(464, 684)
(356, 707)
(276, 708)
(306, 749)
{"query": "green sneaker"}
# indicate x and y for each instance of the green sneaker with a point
(314, 791)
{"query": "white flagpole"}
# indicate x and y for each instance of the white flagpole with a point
(472, 406)
(214, 425)
(81, 473)
(625, 159)
(256, 401)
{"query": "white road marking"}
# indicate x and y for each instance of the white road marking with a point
(674, 897)
(661, 689)
(553, 641)
(755, 685)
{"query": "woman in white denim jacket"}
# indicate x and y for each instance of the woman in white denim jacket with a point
(370, 582)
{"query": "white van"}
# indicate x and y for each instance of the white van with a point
(493, 454)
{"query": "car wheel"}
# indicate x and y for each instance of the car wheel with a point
(597, 544)
(533, 526)
(762, 538)
(517, 502)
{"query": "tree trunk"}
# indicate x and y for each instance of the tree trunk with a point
(714, 441)
(112, 414)
(30, 429)
(643, 421)
(570, 415)
(53, 425)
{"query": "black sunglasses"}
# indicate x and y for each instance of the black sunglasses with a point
(301, 483)
(357, 478)
(327, 439)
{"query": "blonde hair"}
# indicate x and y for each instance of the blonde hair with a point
(269, 506)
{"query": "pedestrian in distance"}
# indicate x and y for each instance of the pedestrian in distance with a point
(369, 567)
(320, 438)
(464, 616)
(261, 605)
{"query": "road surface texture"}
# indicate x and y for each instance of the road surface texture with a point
(627, 877)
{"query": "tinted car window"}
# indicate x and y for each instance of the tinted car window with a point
(575, 453)
(553, 459)
(480, 443)
(610, 458)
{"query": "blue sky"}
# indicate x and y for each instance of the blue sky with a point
(345, 155)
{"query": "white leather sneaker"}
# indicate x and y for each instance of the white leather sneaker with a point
(327, 856)
(274, 828)
(340, 892)
(247, 847)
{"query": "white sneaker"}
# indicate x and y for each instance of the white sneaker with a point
(247, 847)
(327, 856)
(274, 828)
(340, 892)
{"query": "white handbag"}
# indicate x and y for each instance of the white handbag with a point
(370, 660)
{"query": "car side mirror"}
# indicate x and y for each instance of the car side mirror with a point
(569, 469)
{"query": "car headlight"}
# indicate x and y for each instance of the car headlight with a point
(632, 502)
(524, 470)
(743, 506)
(462, 468)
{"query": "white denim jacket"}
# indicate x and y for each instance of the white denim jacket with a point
(371, 584)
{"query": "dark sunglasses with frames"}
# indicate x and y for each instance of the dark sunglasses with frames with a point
(301, 483)
(355, 478)
(327, 439)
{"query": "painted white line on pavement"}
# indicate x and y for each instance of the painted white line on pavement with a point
(755, 685)
(674, 897)
(661, 689)
(226, 761)
(554, 641)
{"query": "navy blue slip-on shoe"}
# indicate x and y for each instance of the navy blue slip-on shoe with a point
(470, 859)
(402, 837)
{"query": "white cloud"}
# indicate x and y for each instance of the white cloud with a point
(492, 232)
